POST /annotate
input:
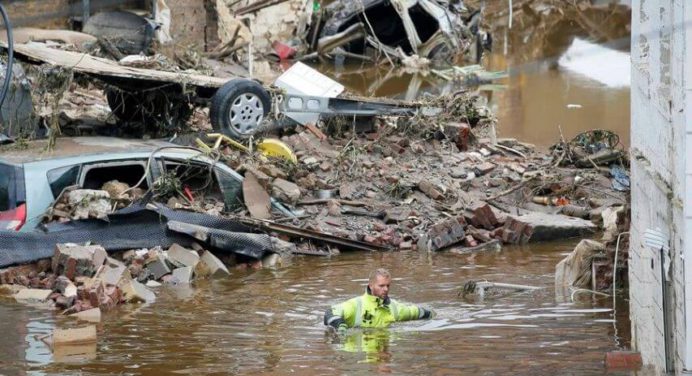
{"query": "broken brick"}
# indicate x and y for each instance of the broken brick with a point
(73, 261)
(480, 215)
(458, 133)
(430, 190)
(623, 360)
(483, 168)
(443, 234)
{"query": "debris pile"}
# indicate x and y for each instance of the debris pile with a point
(430, 184)
(82, 278)
(428, 176)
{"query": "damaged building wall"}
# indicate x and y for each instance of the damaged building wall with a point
(194, 22)
(56, 13)
(661, 167)
(277, 22)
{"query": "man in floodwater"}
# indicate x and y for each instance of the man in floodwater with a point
(374, 309)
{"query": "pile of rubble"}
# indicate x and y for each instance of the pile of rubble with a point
(80, 278)
(433, 186)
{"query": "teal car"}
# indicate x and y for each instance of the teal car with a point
(31, 179)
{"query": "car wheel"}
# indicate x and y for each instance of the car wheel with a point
(238, 108)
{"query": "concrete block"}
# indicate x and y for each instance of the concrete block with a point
(90, 315)
(157, 266)
(286, 191)
(483, 168)
(73, 260)
(134, 292)
(70, 290)
(542, 227)
(86, 334)
(210, 266)
(111, 276)
(182, 275)
(271, 260)
(32, 295)
(181, 256)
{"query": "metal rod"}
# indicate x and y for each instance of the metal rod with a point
(85, 11)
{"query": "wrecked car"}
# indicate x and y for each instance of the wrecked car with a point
(438, 30)
(31, 180)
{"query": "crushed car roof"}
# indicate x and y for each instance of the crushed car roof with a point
(77, 146)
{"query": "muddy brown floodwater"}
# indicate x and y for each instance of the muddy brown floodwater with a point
(269, 322)
(566, 83)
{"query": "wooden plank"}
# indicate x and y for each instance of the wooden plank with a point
(256, 198)
(85, 63)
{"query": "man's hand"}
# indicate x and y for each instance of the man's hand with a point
(426, 313)
(342, 329)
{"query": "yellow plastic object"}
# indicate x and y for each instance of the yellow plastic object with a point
(275, 148)
(223, 138)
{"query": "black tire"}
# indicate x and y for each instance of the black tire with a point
(238, 108)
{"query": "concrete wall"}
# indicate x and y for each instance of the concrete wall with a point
(661, 148)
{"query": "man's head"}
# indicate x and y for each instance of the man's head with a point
(379, 283)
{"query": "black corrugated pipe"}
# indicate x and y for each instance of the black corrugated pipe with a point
(10, 56)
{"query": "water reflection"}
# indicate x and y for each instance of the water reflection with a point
(270, 322)
(562, 65)
(373, 343)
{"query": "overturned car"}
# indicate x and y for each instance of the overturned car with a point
(435, 29)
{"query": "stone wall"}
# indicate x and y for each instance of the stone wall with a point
(194, 22)
(280, 22)
(661, 150)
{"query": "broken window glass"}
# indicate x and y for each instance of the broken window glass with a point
(130, 172)
(60, 178)
(232, 190)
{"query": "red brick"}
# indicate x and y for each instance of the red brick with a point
(623, 360)
(480, 215)
(516, 231)
(459, 134)
(443, 234)
(430, 190)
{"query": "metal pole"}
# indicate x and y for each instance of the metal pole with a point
(85, 11)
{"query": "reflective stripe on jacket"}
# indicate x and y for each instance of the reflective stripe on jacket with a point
(369, 311)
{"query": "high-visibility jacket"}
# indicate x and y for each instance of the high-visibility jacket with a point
(369, 311)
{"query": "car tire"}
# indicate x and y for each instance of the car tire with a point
(238, 108)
